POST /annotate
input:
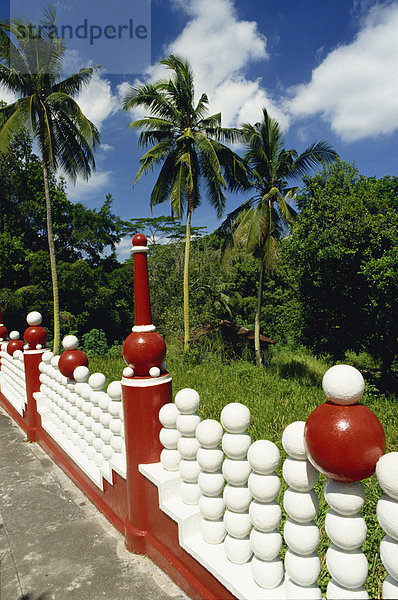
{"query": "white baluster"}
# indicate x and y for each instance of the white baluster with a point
(265, 513)
(210, 457)
(235, 418)
(387, 514)
(187, 401)
(169, 436)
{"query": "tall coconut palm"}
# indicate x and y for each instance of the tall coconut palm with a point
(259, 221)
(188, 145)
(32, 69)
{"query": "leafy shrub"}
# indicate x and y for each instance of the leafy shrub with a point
(94, 343)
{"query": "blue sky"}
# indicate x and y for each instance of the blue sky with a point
(326, 69)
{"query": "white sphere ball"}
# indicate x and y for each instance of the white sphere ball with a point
(236, 445)
(209, 433)
(265, 546)
(211, 484)
(349, 569)
(299, 474)
(86, 391)
(106, 436)
(154, 372)
(114, 409)
(263, 457)
(337, 592)
(293, 440)
(117, 443)
(91, 453)
(14, 335)
(170, 459)
(34, 318)
(103, 401)
(96, 428)
(236, 471)
(389, 556)
(303, 570)
(70, 342)
(96, 413)
(390, 588)
(238, 550)
(128, 372)
(97, 444)
(210, 459)
(107, 451)
(345, 498)
(54, 363)
(168, 415)
(302, 507)
(237, 499)
(187, 424)
(267, 574)
(387, 515)
(47, 356)
(189, 470)
(114, 390)
(188, 447)
(190, 492)
(264, 488)
(212, 508)
(187, 401)
(105, 419)
(235, 417)
(169, 438)
(302, 538)
(343, 384)
(213, 532)
(297, 592)
(97, 381)
(265, 517)
(17, 354)
(347, 533)
(387, 474)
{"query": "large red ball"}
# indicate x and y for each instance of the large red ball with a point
(3, 332)
(141, 351)
(35, 335)
(69, 360)
(344, 442)
(14, 345)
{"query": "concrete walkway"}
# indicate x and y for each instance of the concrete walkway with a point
(54, 545)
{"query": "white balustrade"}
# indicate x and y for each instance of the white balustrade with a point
(187, 402)
(387, 514)
(169, 436)
(12, 376)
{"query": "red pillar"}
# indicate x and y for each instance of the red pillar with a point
(146, 387)
(32, 359)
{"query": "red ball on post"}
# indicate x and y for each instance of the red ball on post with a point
(35, 336)
(69, 360)
(14, 345)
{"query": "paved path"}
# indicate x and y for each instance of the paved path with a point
(54, 544)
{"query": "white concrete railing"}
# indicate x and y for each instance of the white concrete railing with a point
(85, 420)
(12, 377)
(221, 489)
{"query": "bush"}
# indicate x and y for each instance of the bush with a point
(94, 343)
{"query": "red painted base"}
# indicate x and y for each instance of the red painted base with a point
(20, 420)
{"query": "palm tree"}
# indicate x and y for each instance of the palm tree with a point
(32, 69)
(187, 143)
(259, 222)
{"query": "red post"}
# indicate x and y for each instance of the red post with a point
(146, 387)
(35, 337)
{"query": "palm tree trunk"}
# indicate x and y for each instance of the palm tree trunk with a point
(257, 347)
(186, 272)
(53, 267)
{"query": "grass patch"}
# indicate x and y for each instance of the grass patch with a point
(288, 390)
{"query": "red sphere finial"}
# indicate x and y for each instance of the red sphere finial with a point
(139, 240)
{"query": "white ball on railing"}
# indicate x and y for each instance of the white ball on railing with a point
(54, 361)
(343, 384)
(236, 445)
(187, 447)
(103, 400)
(302, 507)
(238, 525)
(70, 342)
(303, 570)
(169, 438)
(336, 592)
(390, 588)
(213, 532)
(387, 474)
(14, 335)
(236, 471)
(293, 440)
(17, 354)
(211, 484)
(302, 538)
(91, 453)
(187, 401)
(347, 533)
(117, 443)
(154, 372)
(81, 374)
(238, 550)
(89, 436)
(96, 428)
(168, 415)
(264, 488)
(209, 433)
(39, 346)
(212, 508)
(387, 515)
(389, 556)
(263, 457)
(237, 499)
(267, 574)
(345, 498)
(128, 372)
(190, 492)
(187, 424)
(114, 408)
(349, 569)
(114, 390)
(265, 517)
(34, 318)
(189, 470)
(106, 436)
(210, 459)
(299, 474)
(105, 419)
(265, 546)
(235, 417)
(170, 459)
(107, 451)
(26, 347)
(97, 381)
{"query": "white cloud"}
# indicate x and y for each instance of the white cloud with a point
(106, 147)
(95, 185)
(7, 96)
(123, 248)
(355, 88)
(97, 101)
(219, 63)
